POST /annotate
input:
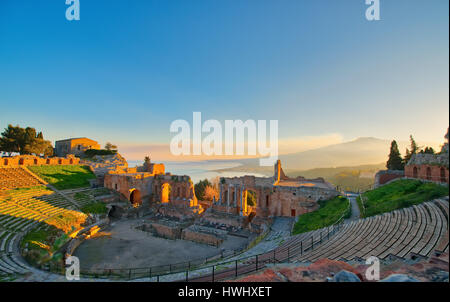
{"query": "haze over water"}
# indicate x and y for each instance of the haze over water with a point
(200, 170)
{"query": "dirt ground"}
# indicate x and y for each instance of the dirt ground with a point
(131, 248)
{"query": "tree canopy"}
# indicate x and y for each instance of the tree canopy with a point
(24, 141)
(200, 188)
(395, 161)
(414, 149)
(110, 146)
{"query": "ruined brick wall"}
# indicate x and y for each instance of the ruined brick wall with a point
(31, 160)
(164, 230)
(385, 176)
(428, 172)
(200, 235)
(126, 183)
(180, 190)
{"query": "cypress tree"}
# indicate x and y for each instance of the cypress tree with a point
(395, 161)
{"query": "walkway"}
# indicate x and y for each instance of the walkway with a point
(355, 208)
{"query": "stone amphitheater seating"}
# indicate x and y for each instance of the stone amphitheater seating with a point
(20, 212)
(417, 231)
(11, 178)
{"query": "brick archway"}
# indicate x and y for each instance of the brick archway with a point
(135, 197)
(165, 193)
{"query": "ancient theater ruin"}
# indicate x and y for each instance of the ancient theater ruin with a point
(279, 195)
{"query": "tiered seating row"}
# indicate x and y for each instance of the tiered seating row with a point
(11, 178)
(22, 210)
(417, 231)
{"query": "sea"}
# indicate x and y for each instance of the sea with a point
(199, 170)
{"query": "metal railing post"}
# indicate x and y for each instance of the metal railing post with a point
(235, 274)
(256, 262)
(301, 247)
(187, 276)
(213, 273)
(312, 243)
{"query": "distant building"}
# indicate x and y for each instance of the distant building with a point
(75, 146)
(432, 167)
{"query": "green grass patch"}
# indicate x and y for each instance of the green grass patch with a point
(50, 237)
(64, 177)
(400, 194)
(94, 208)
(328, 213)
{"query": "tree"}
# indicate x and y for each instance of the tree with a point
(110, 146)
(395, 160)
(24, 141)
(251, 198)
(427, 150)
(200, 188)
(414, 149)
(210, 193)
(147, 163)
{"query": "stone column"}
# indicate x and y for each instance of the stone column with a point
(220, 192)
(228, 200)
(241, 201)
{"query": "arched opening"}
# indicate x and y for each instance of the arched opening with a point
(178, 192)
(443, 178)
(59, 161)
(428, 173)
(165, 193)
(415, 172)
(135, 197)
(48, 161)
(267, 201)
(116, 212)
(71, 161)
(35, 161)
(293, 212)
(21, 161)
(5, 162)
(226, 196)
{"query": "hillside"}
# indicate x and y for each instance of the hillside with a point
(399, 194)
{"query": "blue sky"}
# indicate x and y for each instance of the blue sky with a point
(127, 69)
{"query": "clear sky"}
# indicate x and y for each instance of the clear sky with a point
(127, 69)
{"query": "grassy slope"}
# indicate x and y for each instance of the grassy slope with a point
(328, 213)
(95, 208)
(64, 177)
(400, 194)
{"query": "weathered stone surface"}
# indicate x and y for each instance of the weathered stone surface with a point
(323, 270)
(399, 278)
(346, 276)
